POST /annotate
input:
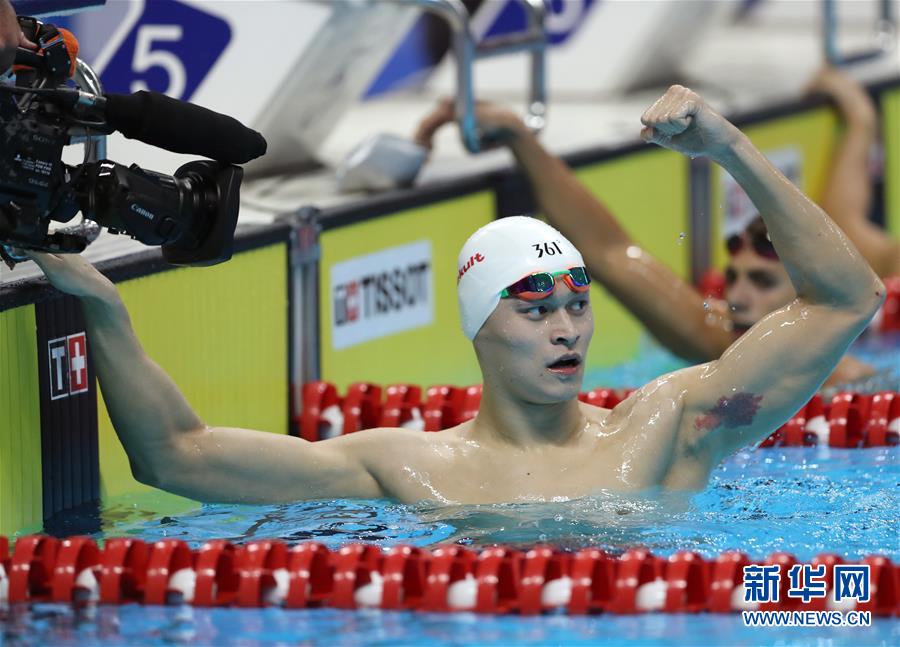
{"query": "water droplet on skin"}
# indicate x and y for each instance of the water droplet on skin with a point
(706, 305)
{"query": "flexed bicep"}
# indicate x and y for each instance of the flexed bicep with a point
(765, 376)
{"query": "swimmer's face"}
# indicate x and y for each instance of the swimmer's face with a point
(754, 287)
(535, 350)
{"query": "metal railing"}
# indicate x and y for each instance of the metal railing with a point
(94, 145)
(884, 34)
(466, 51)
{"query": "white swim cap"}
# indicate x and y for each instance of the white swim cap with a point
(501, 253)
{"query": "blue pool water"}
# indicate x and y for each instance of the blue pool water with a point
(804, 500)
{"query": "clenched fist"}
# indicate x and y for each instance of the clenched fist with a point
(682, 121)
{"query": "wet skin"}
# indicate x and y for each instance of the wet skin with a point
(560, 448)
(754, 287)
(532, 438)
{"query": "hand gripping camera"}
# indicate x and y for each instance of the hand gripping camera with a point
(191, 214)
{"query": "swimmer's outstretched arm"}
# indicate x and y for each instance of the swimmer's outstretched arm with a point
(767, 375)
(668, 306)
(170, 447)
(848, 192)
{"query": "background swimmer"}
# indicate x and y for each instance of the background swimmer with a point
(532, 438)
(848, 193)
(757, 282)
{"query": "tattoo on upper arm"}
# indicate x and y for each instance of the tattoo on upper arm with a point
(737, 411)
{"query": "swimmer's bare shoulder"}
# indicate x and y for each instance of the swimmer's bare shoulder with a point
(404, 461)
(640, 437)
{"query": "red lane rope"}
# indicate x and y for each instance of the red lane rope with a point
(448, 578)
(847, 420)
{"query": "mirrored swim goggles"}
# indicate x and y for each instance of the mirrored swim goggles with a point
(540, 285)
(759, 241)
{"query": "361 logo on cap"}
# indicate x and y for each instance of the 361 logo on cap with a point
(68, 365)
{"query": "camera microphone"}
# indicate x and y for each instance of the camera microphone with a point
(182, 127)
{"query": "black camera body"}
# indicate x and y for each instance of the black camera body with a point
(191, 214)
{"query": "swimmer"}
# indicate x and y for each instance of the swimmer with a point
(848, 192)
(523, 300)
(695, 328)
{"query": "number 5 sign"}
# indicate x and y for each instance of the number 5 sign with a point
(163, 45)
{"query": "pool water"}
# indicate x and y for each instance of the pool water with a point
(804, 500)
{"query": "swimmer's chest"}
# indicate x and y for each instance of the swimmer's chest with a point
(494, 476)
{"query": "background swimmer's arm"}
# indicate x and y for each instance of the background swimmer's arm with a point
(848, 192)
(765, 376)
(671, 309)
(168, 445)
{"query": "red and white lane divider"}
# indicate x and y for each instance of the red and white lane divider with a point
(445, 579)
(847, 420)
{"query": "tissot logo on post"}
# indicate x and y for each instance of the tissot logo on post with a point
(67, 358)
(381, 294)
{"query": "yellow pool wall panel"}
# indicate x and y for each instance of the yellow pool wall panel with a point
(890, 128)
(648, 193)
(21, 488)
(221, 334)
(437, 353)
(813, 134)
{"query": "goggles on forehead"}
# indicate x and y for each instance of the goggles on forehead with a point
(540, 285)
(759, 241)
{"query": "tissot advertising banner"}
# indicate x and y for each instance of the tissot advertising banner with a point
(381, 294)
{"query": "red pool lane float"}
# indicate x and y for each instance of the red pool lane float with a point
(75, 556)
(846, 416)
(727, 581)
(260, 566)
(31, 569)
(687, 577)
(449, 578)
(636, 568)
(217, 575)
(543, 566)
(849, 420)
(888, 317)
(354, 566)
(796, 432)
(785, 602)
(600, 397)
(362, 407)
(399, 403)
(167, 557)
(884, 593)
(317, 397)
(883, 424)
(829, 560)
(448, 565)
(471, 402)
(311, 575)
(593, 574)
(123, 570)
(498, 578)
(443, 407)
(404, 574)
